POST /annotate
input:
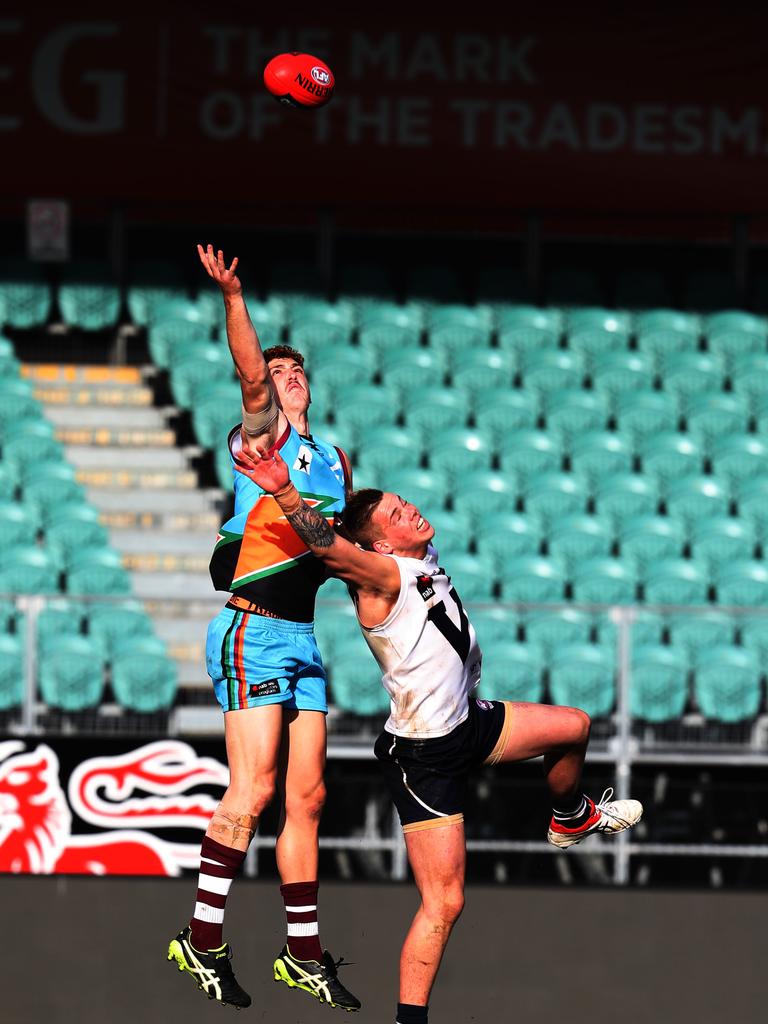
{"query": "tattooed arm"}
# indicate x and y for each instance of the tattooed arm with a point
(367, 570)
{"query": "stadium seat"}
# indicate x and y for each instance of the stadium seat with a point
(658, 683)
(215, 410)
(493, 623)
(451, 533)
(518, 339)
(386, 339)
(58, 618)
(511, 671)
(532, 579)
(604, 581)
(732, 345)
(692, 633)
(753, 632)
(336, 365)
(363, 405)
(582, 676)
(551, 630)
(74, 527)
(573, 538)
(554, 494)
(645, 412)
(752, 501)
(446, 407)
(170, 340)
(739, 457)
(668, 320)
(340, 314)
(97, 572)
(714, 415)
(646, 538)
(8, 483)
(669, 456)
(19, 448)
(386, 313)
(333, 626)
(88, 298)
(482, 492)
(458, 450)
(356, 685)
(456, 337)
(383, 446)
(592, 343)
(200, 367)
(110, 622)
(727, 684)
(71, 676)
(697, 497)
(423, 487)
(25, 297)
(475, 369)
(659, 343)
(152, 285)
(679, 581)
(748, 379)
(311, 337)
(505, 410)
(413, 370)
(598, 454)
(473, 576)
(742, 583)
(521, 315)
(15, 527)
(144, 679)
(646, 628)
(505, 535)
(28, 570)
(11, 672)
(598, 318)
(626, 495)
(688, 374)
(527, 454)
(574, 411)
(722, 539)
(616, 373)
(734, 320)
(17, 402)
(551, 369)
(205, 314)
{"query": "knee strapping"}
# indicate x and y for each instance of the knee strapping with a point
(228, 828)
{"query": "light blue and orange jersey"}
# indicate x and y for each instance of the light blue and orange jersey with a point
(258, 554)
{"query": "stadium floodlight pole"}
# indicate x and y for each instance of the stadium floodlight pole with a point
(624, 617)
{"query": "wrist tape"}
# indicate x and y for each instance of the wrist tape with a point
(257, 423)
(288, 498)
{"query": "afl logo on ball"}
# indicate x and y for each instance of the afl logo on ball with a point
(320, 75)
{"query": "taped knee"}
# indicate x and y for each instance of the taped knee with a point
(229, 829)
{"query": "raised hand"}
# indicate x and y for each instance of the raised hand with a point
(268, 471)
(216, 268)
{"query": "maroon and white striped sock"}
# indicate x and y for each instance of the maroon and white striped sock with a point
(300, 900)
(218, 867)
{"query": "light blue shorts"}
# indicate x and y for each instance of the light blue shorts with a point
(254, 660)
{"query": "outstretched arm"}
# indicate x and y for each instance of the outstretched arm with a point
(251, 368)
(367, 570)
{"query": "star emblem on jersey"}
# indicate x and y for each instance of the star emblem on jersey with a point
(303, 459)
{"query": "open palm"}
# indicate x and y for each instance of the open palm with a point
(270, 472)
(225, 277)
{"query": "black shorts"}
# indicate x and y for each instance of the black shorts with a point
(428, 778)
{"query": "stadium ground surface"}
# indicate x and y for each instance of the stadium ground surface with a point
(93, 950)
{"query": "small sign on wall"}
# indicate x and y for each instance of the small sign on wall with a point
(48, 229)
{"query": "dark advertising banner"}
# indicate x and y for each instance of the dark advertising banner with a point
(106, 808)
(530, 108)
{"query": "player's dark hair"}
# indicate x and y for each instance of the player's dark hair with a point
(355, 524)
(283, 352)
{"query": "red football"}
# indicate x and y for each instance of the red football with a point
(299, 79)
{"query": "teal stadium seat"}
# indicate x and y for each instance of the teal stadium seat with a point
(453, 338)
(509, 316)
(382, 447)
(574, 538)
(677, 581)
(334, 625)
(504, 535)
(387, 339)
(493, 623)
(592, 343)
(144, 678)
(151, 285)
(20, 448)
(519, 339)
(738, 457)
(551, 369)
(481, 492)
(722, 539)
(356, 685)
(88, 299)
(532, 579)
(555, 494)
(750, 383)
(647, 628)
(598, 454)
(451, 533)
(171, 340)
(551, 630)
(455, 315)
(199, 367)
(71, 676)
(604, 581)
(742, 583)
(110, 622)
(97, 572)
(25, 296)
(458, 450)
(17, 402)
(473, 576)
(669, 320)
(216, 409)
(598, 318)
(731, 345)
(659, 343)
(646, 412)
(693, 633)
(473, 370)
(526, 454)
(582, 676)
(11, 672)
(511, 671)
(337, 365)
(390, 314)
(715, 415)
(644, 539)
(753, 632)
(697, 497)
(659, 684)
(359, 406)
(615, 374)
(505, 410)
(688, 374)
(737, 320)
(72, 528)
(341, 314)
(423, 487)
(15, 527)
(413, 370)
(206, 314)
(727, 684)
(669, 456)
(752, 501)
(573, 411)
(311, 337)
(49, 484)
(446, 407)
(28, 570)
(8, 483)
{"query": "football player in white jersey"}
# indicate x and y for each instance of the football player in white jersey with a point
(437, 732)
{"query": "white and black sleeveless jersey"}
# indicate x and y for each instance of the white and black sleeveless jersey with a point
(427, 651)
